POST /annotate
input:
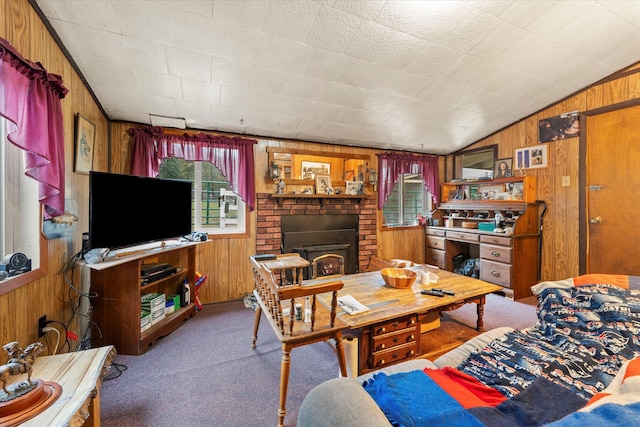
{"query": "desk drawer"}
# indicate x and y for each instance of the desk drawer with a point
(434, 232)
(496, 253)
(435, 242)
(495, 272)
(462, 236)
(394, 325)
(390, 341)
(435, 257)
(394, 355)
(496, 240)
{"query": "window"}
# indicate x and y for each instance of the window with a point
(19, 205)
(408, 199)
(216, 209)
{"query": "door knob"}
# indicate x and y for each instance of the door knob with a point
(595, 220)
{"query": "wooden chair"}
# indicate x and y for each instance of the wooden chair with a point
(377, 264)
(327, 265)
(272, 299)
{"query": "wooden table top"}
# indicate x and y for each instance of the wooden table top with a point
(386, 303)
(285, 261)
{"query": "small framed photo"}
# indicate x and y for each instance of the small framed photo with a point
(85, 140)
(323, 184)
(532, 157)
(311, 169)
(354, 187)
(503, 168)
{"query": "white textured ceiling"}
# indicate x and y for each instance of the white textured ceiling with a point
(425, 76)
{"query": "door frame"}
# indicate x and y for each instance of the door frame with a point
(582, 175)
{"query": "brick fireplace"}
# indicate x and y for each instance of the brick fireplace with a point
(270, 212)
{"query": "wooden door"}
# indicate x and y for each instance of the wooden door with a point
(613, 192)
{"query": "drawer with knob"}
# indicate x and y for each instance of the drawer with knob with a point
(435, 257)
(394, 325)
(393, 355)
(434, 242)
(496, 253)
(385, 342)
(495, 272)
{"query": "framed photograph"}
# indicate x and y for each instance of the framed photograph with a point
(491, 192)
(84, 140)
(517, 190)
(348, 175)
(323, 183)
(354, 187)
(531, 157)
(503, 168)
(311, 169)
(559, 127)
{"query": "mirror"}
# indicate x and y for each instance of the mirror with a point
(301, 166)
(476, 163)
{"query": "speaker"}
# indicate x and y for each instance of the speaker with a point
(14, 264)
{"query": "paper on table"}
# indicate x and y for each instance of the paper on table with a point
(351, 305)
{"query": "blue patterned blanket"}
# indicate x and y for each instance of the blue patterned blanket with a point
(584, 335)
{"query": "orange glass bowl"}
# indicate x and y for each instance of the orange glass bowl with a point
(398, 277)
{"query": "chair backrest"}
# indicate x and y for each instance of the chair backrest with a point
(376, 264)
(273, 299)
(327, 265)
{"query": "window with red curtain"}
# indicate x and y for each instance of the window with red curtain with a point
(232, 156)
(30, 101)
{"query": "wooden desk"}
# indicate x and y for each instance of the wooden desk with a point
(390, 331)
(80, 375)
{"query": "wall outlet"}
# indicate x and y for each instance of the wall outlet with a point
(42, 323)
(566, 181)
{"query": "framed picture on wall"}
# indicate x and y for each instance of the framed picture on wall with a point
(532, 157)
(311, 169)
(84, 139)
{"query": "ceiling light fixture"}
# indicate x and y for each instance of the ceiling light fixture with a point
(168, 122)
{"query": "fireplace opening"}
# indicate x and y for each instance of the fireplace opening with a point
(315, 235)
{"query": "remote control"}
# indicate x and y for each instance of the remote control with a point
(432, 292)
(444, 291)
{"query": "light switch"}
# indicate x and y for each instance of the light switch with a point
(566, 181)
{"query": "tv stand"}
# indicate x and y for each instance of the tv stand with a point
(119, 286)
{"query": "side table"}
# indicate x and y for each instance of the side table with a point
(80, 375)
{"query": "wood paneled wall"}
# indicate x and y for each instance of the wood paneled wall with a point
(225, 260)
(20, 309)
(560, 235)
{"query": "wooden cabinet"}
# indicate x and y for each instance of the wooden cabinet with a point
(466, 221)
(118, 286)
(394, 341)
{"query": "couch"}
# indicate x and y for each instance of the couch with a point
(579, 365)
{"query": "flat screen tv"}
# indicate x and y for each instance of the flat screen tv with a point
(128, 210)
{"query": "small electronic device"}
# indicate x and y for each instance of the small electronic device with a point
(432, 292)
(444, 291)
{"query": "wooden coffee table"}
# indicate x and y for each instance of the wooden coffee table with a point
(390, 331)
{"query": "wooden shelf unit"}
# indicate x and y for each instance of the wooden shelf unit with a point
(117, 308)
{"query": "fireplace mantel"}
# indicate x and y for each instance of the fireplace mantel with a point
(321, 197)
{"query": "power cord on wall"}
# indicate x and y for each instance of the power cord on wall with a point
(52, 329)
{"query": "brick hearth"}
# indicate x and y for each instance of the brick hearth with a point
(269, 213)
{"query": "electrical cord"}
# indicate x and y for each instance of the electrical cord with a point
(52, 329)
(119, 369)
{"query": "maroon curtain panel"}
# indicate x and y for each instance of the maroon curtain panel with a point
(392, 164)
(30, 101)
(233, 156)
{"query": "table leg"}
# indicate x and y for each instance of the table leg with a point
(480, 311)
(284, 383)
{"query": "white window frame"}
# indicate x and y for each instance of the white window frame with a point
(400, 221)
(20, 211)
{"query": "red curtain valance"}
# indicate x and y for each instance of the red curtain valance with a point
(392, 164)
(233, 156)
(30, 101)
